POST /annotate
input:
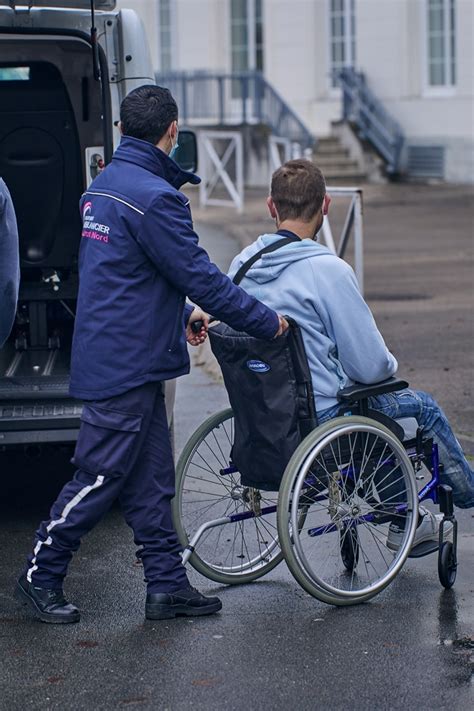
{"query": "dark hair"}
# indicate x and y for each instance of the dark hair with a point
(298, 189)
(147, 112)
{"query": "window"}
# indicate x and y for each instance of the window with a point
(341, 36)
(166, 35)
(441, 17)
(246, 35)
(14, 73)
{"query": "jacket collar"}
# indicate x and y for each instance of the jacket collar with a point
(146, 155)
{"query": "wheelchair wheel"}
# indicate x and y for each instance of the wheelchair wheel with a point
(208, 488)
(354, 479)
(447, 567)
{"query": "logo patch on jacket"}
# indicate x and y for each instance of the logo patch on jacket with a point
(258, 366)
(92, 229)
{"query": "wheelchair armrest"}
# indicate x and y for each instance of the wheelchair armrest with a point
(357, 392)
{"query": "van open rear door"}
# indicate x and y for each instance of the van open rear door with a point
(52, 111)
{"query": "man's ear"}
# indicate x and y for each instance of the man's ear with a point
(326, 203)
(120, 127)
(271, 208)
(173, 130)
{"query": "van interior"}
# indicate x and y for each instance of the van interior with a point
(51, 114)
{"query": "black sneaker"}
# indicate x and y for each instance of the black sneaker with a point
(48, 605)
(188, 602)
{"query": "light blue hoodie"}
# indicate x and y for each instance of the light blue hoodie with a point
(306, 281)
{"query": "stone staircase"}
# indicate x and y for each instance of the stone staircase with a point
(335, 162)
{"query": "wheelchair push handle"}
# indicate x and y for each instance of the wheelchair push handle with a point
(197, 325)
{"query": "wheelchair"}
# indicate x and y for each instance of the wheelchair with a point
(344, 517)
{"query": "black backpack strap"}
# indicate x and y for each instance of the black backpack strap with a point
(270, 248)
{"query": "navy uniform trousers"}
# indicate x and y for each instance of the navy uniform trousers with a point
(123, 452)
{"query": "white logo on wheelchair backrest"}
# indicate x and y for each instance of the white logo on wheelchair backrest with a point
(258, 366)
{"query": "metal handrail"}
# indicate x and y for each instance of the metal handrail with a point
(366, 111)
(228, 99)
(353, 224)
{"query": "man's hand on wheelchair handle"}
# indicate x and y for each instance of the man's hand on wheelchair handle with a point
(197, 335)
(198, 324)
(283, 326)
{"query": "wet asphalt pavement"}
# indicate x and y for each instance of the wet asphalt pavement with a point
(272, 647)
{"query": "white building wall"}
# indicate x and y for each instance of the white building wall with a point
(202, 35)
(390, 50)
(289, 51)
(200, 32)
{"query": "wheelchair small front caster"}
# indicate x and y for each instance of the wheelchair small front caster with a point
(447, 555)
(447, 565)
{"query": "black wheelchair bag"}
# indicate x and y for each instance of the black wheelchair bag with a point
(270, 390)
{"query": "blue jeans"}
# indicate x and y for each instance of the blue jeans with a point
(415, 403)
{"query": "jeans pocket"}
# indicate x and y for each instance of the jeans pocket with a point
(386, 403)
(107, 442)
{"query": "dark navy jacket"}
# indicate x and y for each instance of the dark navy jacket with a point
(9, 263)
(139, 259)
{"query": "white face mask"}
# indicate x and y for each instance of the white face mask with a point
(175, 147)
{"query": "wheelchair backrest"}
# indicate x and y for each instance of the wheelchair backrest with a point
(270, 390)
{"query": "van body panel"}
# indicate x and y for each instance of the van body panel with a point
(71, 4)
(135, 67)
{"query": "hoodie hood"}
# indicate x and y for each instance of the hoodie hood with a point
(271, 265)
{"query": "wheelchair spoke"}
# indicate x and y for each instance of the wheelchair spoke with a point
(377, 541)
(365, 456)
(229, 437)
(205, 469)
(389, 475)
(188, 490)
(219, 461)
(220, 448)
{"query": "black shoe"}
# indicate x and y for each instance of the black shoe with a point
(188, 602)
(48, 605)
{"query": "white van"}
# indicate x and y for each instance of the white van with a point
(64, 69)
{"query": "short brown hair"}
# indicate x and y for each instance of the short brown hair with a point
(298, 189)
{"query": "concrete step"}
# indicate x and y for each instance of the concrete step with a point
(348, 166)
(328, 149)
(336, 153)
(332, 159)
(329, 142)
(346, 172)
(345, 181)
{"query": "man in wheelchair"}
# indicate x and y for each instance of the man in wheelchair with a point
(344, 347)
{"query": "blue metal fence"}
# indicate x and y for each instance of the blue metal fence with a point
(232, 99)
(373, 122)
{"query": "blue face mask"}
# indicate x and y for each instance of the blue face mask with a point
(172, 152)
